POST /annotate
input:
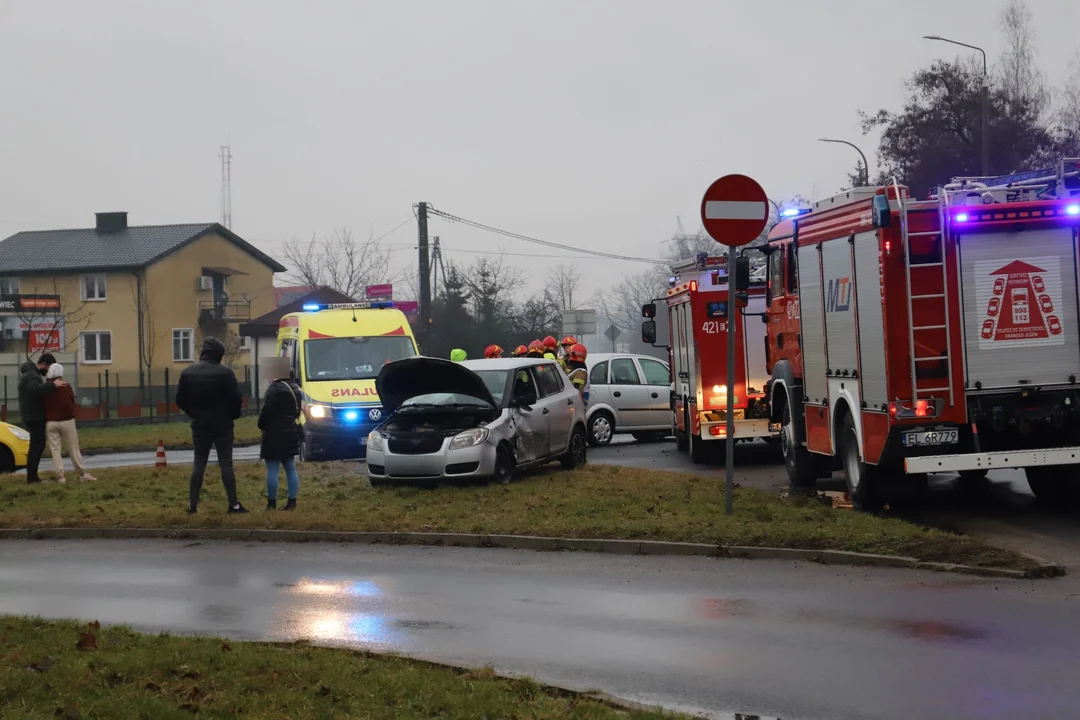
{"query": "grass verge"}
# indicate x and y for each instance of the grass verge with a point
(597, 501)
(144, 437)
(71, 670)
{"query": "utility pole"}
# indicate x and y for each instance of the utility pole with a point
(226, 186)
(425, 271)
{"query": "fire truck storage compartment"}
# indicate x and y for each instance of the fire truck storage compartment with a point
(1020, 308)
(756, 374)
(813, 334)
(869, 303)
(840, 338)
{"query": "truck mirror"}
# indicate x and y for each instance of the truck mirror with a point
(881, 211)
(648, 310)
(742, 273)
(648, 332)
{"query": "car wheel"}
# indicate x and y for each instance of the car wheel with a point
(504, 465)
(7, 461)
(601, 429)
(861, 483)
(797, 458)
(576, 453)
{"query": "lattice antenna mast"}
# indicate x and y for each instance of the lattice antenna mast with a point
(226, 186)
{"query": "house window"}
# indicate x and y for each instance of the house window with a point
(183, 341)
(93, 287)
(9, 286)
(96, 347)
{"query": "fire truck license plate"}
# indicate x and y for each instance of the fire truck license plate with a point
(932, 437)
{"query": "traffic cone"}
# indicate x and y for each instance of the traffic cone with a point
(160, 461)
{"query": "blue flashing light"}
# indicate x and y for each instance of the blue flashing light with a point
(311, 307)
(790, 212)
(962, 217)
(1072, 210)
(382, 304)
(351, 416)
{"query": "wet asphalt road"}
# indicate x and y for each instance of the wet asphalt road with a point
(718, 635)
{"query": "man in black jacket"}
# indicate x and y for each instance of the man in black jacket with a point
(32, 391)
(209, 394)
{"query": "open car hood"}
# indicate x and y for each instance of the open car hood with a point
(405, 379)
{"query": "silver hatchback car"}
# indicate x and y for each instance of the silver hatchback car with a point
(475, 419)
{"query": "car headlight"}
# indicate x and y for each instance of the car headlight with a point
(374, 440)
(318, 411)
(19, 433)
(469, 438)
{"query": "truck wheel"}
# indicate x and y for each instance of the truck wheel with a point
(682, 439)
(861, 483)
(601, 429)
(797, 460)
(699, 450)
(974, 483)
(1048, 484)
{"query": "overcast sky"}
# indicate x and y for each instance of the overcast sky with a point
(594, 123)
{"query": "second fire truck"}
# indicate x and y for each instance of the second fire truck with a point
(910, 337)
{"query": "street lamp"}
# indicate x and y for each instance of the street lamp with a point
(985, 101)
(866, 167)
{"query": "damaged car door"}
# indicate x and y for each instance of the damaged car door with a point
(530, 422)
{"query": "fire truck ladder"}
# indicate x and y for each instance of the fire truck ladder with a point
(937, 238)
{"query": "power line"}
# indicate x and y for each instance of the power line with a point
(546, 243)
(531, 255)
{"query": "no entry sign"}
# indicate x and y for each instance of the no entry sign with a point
(735, 210)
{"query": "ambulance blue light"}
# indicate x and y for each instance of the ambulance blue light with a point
(311, 307)
(351, 415)
(962, 217)
(1072, 209)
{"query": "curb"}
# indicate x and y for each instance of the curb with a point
(531, 542)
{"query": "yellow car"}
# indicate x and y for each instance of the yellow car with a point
(14, 446)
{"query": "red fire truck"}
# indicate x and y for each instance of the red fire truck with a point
(910, 337)
(699, 320)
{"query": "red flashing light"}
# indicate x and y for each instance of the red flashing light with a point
(693, 286)
(922, 408)
(888, 246)
(718, 430)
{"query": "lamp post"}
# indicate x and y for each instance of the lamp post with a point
(985, 100)
(866, 166)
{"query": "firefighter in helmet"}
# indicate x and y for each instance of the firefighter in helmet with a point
(520, 351)
(458, 355)
(536, 349)
(564, 351)
(493, 352)
(579, 373)
(551, 347)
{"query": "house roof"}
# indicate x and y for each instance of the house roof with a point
(267, 325)
(53, 251)
(285, 295)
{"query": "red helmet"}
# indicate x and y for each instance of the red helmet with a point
(569, 341)
(578, 353)
(536, 348)
(520, 351)
(550, 343)
(493, 351)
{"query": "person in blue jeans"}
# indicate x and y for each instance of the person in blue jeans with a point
(281, 430)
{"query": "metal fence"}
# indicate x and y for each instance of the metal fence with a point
(109, 396)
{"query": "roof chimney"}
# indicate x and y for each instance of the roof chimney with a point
(111, 222)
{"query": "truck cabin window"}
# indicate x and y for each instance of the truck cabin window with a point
(792, 274)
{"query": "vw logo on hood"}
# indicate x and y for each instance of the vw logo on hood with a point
(375, 414)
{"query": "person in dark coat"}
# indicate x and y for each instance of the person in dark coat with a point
(281, 430)
(33, 388)
(208, 393)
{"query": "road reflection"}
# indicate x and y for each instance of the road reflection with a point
(338, 611)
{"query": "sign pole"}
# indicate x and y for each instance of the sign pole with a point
(732, 315)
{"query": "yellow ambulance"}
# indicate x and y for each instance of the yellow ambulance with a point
(337, 351)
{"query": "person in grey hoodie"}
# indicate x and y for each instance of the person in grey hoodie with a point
(33, 388)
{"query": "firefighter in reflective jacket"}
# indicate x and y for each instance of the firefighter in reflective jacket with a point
(536, 349)
(493, 352)
(551, 347)
(564, 351)
(520, 351)
(579, 373)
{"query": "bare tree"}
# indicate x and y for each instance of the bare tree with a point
(564, 281)
(337, 261)
(60, 326)
(492, 284)
(1018, 74)
(146, 307)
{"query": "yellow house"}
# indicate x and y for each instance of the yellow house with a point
(131, 298)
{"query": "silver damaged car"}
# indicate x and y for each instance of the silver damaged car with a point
(475, 419)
